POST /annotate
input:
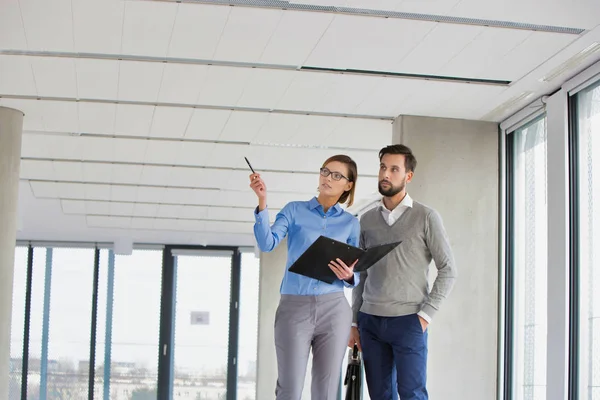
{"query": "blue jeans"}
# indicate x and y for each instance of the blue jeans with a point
(395, 355)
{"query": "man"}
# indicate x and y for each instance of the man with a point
(393, 304)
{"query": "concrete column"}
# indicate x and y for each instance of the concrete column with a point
(457, 174)
(11, 126)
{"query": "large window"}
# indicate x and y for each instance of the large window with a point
(587, 122)
(116, 308)
(527, 263)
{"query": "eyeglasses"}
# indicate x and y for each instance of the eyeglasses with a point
(336, 176)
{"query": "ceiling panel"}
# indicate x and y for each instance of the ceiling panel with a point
(121, 208)
(133, 120)
(97, 118)
(98, 208)
(12, 33)
(98, 25)
(147, 27)
(145, 210)
(68, 171)
(207, 124)
(140, 81)
(243, 126)
(16, 76)
(181, 83)
(48, 25)
(169, 210)
(37, 169)
(197, 30)
(156, 176)
(224, 85)
(170, 122)
(265, 88)
(367, 43)
(292, 43)
(73, 207)
(97, 79)
(236, 44)
(55, 76)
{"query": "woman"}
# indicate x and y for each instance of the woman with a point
(311, 312)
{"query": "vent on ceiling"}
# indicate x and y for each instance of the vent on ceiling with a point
(573, 62)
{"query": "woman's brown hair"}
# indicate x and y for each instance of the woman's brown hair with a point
(348, 196)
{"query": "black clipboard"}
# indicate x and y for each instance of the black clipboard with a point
(314, 262)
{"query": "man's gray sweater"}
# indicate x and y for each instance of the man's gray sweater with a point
(397, 284)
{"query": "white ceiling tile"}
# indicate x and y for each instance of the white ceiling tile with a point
(389, 97)
(292, 43)
(207, 124)
(97, 118)
(169, 211)
(198, 154)
(123, 193)
(51, 146)
(44, 190)
(133, 120)
(306, 88)
(147, 27)
(226, 226)
(443, 43)
(126, 173)
(71, 190)
(148, 194)
(227, 156)
(37, 169)
(55, 77)
(265, 88)
(232, 214)
(97, 148)
(162, 152)
(12, 33)
(367, 43)
(131, 150)
(97, 207)
(156, 176)
(16, 76)
(243, 126)
(60, 116)
(537, 48)
(73, 206)
(201, 177)
(310, 131)
(121, 208)
(439, 7)
(97, 172)
(68, 171)
(197, 30)
(98, 26)
(247, 33)
(108, 222)
(360, 133)
(145, 210)
(139, 81)
(170, 122)
(42, 18)
(97, 79)
(489, 47)
(280, 128)
(187, 196)
(101, 192)
(224, 85)
(344, 93)
(181, 83)
(142, 223)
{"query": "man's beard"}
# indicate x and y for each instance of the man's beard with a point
(392, 190)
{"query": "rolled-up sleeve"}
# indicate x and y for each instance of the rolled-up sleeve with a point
(268, 237)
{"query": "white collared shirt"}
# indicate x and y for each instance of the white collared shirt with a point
(394, 215)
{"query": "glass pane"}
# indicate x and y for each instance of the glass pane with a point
(135, 325)
(588, 109)
(248, 336)
(530, 261)
(36, 323)
(17, 323)
(70, 323)
(201, 327)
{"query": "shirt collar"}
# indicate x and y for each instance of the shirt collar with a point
(407, 201)
(314, 203)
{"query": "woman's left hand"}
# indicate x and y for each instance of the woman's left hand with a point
(341, 270)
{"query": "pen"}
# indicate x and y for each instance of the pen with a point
(248, 162)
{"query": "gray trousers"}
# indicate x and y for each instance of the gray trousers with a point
(301, 322)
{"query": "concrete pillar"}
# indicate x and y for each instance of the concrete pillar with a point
(457, 174)
(11, 127)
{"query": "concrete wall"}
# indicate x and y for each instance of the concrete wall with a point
(457, 174)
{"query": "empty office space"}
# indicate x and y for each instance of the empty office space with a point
(138, 139)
